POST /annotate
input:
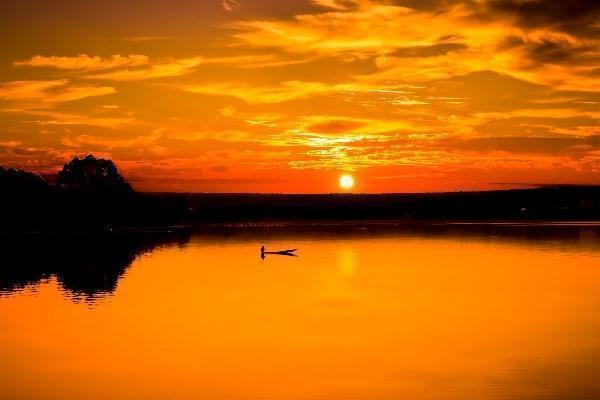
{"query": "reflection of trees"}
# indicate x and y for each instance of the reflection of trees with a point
(87, 266)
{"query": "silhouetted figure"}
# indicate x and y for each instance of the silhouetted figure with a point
(289, 253)
(92, 175)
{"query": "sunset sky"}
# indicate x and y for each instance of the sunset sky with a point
(288, 95)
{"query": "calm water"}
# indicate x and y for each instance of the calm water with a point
(461, 312)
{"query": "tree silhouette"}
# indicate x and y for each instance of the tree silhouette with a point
(18, 181)
(92, 175)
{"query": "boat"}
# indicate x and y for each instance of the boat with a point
(290, 252)
(281, 251)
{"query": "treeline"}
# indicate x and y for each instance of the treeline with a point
(89, 195)
(86, 175)
(561, 203)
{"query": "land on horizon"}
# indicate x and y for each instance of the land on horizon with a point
(91, 194)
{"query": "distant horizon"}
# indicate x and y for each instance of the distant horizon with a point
(494, 186)
(354, 193)
(51, 179)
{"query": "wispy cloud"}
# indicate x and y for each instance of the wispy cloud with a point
(148, 38)
(230, 5)
(259, 95)
(85, 62)
(57, 118)
(254, 61)
(335, 4)
(26, 90)
(47, 93)
(111, 143)
(163, 69)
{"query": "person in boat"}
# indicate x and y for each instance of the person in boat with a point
(264, 251)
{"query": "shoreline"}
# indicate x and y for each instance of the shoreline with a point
(275, 225)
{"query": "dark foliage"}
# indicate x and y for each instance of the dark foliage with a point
(92, 175)
(90, 195)
(15, 180)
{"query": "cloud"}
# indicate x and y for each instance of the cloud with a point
(439, 40)
(26, 90)
(72, 93)
(53, 118)
(165, 69)
(11, 144)
(365, 28)
(374, 29)
(529, 145)
(254, 61)
(336, 126)
(294, 90)
(230, 5)
(438, 49)
(84, 62)
(111, 142)
(148, 38)
(41, 159)
(335, 4)
(575, 16)
(287, 91)
(50, 92)
(554, 49)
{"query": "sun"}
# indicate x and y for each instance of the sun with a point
(347, 181)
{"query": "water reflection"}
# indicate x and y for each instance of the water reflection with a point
(86, 266)
(574, 236)
(372, 312)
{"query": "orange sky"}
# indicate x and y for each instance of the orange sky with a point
(286, 96)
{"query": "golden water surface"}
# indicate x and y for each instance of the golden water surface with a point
(353, 317)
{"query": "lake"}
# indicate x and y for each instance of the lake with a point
(459, 312)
